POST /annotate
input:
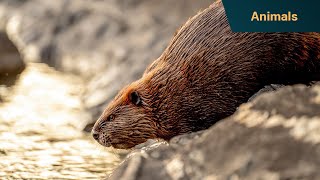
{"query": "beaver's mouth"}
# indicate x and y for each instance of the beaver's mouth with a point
(104, 143)
(121, 145)
(108, 141)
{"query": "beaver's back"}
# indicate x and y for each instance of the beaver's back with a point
(207, 71)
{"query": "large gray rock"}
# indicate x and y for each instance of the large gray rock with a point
(109, 42)
(11, 62)
(276, 136)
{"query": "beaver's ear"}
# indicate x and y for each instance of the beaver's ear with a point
(135, 98)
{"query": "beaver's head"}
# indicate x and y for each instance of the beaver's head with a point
(126, 121)
(135, 115)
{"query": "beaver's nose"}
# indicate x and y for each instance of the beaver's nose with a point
(95, 135)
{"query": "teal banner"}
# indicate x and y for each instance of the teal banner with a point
(273, 15)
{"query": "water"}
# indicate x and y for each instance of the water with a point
(41, 117)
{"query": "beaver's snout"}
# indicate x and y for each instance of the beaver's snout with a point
(101, 138)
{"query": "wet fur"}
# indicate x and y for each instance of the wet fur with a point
(205, 73)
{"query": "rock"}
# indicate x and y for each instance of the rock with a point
(275, 136)
(86, 37)
(268, 88)
(7, 8)
(10, 61)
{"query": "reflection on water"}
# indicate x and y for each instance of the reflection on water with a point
(41, 117)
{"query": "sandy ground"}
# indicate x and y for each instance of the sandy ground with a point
(40, 136)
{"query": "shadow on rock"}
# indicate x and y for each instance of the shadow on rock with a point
(11, 64)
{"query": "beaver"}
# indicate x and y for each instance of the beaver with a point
(203, 75)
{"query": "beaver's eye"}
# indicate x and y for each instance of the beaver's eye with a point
(135, 98)
(110, 118)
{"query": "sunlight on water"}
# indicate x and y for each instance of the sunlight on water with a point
(40, 129)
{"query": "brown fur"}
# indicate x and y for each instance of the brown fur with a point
(205, 73)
